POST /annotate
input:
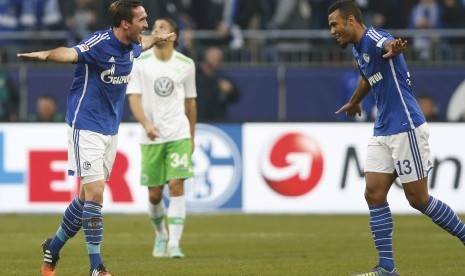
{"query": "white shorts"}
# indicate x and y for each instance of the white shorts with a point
(407, 154)
(90, 155)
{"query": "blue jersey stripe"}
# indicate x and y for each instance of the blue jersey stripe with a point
(393, 70)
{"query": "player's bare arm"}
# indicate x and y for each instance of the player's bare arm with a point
(135, 104)
(394, 47)
(191, 113)
(149, 40)
(61, 54)
(354, 106)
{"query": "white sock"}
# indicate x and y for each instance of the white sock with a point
(176, 217)
(157, 216)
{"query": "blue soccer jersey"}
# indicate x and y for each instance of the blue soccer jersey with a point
(398, 110)
(97, 95)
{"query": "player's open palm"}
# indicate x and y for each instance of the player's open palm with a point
(395, 47)
(33, 55)
(351, 109)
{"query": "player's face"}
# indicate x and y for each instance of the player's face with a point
(138, 25)
(161, 27)
(340, 28)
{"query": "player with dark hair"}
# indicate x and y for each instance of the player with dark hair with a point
(399, 146)
(162, 96)
(95, 103)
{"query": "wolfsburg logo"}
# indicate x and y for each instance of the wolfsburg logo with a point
(107, 77)
(163, 86)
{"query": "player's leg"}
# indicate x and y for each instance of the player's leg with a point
(413, 173)
(157, 217)
(153, 176)
(178, 167)
(379, 178)
(72, 218)
(176, 217)
(96, 157)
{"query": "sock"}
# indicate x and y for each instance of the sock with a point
(70, 225)
(441, 214)
(176, 217)
(381, 228)
(157, 216)
(92, 223)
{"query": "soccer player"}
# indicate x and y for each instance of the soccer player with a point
(399, 146)
(162, 96)
(95, 103)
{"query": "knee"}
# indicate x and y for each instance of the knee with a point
(155, 198)
(176, 188)
(374, 197)
(418, 202)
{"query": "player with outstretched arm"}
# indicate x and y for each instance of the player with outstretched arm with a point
(94, 108)
(399, 146)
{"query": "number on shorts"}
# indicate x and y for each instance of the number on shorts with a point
(177, 160)
(406, 165)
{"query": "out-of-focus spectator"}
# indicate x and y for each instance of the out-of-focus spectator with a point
(429, 107)
(40, 14)
(425, 15)
(215, 91)
(9, 97)
(218, 15)
(452, 17)
(8, 15)
(80, 18)
(46, 110)
(288, 15)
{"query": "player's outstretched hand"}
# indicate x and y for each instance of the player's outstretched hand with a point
(395, 47)
(34, 55)
(163, 37)
(351, 110)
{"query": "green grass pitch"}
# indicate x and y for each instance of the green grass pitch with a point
(235, 244)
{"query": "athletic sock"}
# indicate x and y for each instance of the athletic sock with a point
(441, 214)
(157, 217)
(381, 228)
(70, 225)
(176, 217)
(92, 223)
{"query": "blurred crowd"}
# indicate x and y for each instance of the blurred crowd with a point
(227, 19)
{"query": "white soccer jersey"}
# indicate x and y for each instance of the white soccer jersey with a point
(164, 86)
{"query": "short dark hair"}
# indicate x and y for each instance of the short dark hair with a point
(346, 8)
(123, 10)
(174, 28)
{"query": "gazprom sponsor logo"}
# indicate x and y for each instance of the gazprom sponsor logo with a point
(375, 78)
(217, 169)
(107, 76)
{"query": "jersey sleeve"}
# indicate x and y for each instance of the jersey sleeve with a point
(88, 50)
(134, 84)
(189, 85)
(378, 40)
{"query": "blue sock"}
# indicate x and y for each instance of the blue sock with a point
(381, 228)
(70, 225)
(441, 214)
(92, 223)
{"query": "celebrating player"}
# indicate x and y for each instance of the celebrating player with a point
(399, 146)
(162, 96)
(95, 104)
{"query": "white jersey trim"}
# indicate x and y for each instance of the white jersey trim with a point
(391, 64)
(82, 96)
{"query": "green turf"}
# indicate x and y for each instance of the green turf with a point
(237, 245)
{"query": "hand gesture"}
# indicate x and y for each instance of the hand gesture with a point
(395, 47)
(151, 132)
(351, 110)
(42, 56)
